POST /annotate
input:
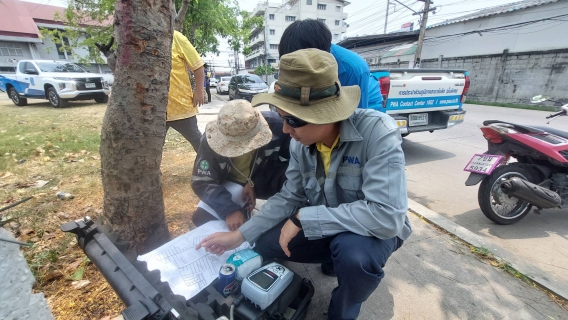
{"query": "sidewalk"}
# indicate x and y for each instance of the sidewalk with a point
(431, 276)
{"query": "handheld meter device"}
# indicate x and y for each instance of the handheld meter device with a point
(265, 284)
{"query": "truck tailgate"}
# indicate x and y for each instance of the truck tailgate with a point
(422, 90)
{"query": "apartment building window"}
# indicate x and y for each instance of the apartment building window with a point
(321, 20)
(272, 32)
(271, 16)
(273, 46)
(322, 6)
(337, 22)
(290, 18)
(11, 49)
(335, 36)
(337, 8)
(309, 2)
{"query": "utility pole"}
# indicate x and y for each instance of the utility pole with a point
(266, 41)
(422, 30)
(387, 15)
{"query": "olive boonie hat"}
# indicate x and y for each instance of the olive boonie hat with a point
(239, 129)
(308, 88)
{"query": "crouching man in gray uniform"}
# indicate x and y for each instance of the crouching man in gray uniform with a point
(344, 200)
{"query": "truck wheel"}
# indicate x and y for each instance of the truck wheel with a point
(16, 98)
(496, 205)
(54, 99)
(102, 99)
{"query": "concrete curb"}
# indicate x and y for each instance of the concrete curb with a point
(531, 272)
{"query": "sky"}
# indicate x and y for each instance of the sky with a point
(365, 17)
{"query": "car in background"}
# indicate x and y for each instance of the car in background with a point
(246, 86)
(223, 85)
(109, 77)
(56, 81)
(213, 82)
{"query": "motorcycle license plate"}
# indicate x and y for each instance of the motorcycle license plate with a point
(483, 163)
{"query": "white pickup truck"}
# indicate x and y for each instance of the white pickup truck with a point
(423, 99)
(56, 81)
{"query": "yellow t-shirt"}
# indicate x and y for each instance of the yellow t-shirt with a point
(180, 97)
(242, 163)
(325, 153)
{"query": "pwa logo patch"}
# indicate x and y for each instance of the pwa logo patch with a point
(204, 165)
(351, 160)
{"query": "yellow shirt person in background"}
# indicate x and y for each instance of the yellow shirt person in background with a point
(182, 103)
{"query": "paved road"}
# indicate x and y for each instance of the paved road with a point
(435, 163)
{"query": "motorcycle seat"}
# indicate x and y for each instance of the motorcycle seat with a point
(553, 131)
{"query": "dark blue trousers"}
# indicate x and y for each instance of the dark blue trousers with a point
(358, 262)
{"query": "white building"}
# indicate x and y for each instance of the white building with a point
(277, 17)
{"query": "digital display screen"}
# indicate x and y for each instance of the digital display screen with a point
(263, 279)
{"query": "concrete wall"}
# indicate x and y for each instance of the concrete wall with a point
(512, 77)
(547, 35)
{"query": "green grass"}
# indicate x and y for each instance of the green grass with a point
(514, 106)
(40, 132)
(486, 254)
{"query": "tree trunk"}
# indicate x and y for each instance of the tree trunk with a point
(134, 126)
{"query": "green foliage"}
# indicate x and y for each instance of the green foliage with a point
(264, 69)
(239, 38)
(87, 22)
(207, 19)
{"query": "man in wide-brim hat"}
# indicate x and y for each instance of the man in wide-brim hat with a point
(344, 201)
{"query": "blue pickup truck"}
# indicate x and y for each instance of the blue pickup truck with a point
(423, 99)
(56, 81)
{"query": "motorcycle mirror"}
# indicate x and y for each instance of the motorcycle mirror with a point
(540, 98)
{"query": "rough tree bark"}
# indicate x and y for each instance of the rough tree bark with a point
(134, 126)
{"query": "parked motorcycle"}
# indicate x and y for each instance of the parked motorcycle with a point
(538, 177)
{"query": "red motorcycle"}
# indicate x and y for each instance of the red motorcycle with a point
(538, 177)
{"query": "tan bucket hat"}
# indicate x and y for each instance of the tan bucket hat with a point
(239, 129)
(308, 88)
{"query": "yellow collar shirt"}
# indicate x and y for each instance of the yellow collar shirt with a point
(325, 153)
(180, 97)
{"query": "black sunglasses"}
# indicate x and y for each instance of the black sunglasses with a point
(293, 121)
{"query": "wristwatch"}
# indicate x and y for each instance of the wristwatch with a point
(295, 220)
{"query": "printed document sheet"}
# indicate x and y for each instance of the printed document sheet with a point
(187, 270)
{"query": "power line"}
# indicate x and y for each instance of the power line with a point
(437, 40)
(437, 17)
(371, 17)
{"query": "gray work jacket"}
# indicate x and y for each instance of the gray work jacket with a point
(364, 191)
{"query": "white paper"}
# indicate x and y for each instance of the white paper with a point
(188, 271)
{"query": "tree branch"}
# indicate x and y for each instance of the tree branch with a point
(180, 16)
(108, 52)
